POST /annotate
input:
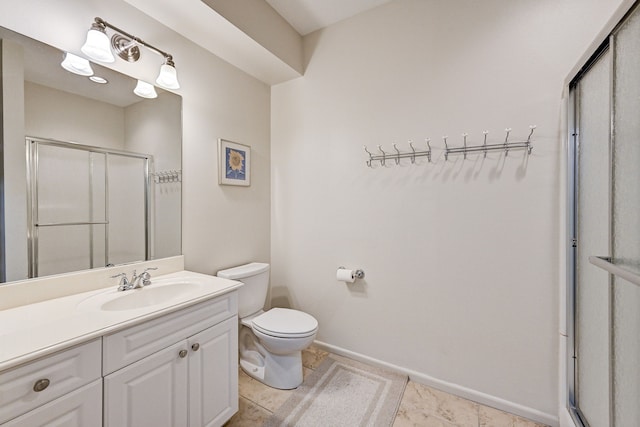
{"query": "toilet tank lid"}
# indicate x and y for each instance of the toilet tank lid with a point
(242, 271)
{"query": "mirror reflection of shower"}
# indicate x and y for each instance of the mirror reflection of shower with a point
(89, 206)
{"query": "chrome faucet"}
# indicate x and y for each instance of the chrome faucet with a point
(136, 281)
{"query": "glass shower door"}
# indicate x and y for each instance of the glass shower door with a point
(127, 209)
(605, 311)
(626, 223)
(592, 323)
(89, 207)
(69, 213)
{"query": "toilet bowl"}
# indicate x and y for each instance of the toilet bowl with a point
(270, 342)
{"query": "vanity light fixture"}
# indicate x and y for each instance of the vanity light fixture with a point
(126, 46)
(145, 90)
(76, 65)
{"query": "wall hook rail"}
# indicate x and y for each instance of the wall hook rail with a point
(164, 177)
(398, 155)
(483, 148)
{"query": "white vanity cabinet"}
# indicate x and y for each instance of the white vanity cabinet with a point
(64, 388)
(176, 370)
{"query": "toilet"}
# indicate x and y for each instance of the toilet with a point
(271, 342)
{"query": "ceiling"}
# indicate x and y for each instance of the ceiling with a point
(307, 16)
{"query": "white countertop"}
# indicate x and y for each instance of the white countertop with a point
(35, 330)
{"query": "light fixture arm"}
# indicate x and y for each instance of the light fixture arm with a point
(134, 40)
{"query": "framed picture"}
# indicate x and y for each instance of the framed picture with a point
(234, 166)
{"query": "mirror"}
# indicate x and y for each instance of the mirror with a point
(46, 103)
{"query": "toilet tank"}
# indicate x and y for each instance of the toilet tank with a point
(253, 295)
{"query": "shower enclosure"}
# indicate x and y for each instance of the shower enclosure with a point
(604, 233)
(88, 206)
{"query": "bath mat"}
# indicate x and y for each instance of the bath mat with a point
(342, 392)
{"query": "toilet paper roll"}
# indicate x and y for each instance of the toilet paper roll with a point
(345, 275)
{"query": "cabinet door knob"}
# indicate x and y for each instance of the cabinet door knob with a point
(41, 385)
(183, 353)
(195, 347)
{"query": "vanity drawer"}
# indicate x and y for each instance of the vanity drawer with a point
(130, 345)
(36, 383)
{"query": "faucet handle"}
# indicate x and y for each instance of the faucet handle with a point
(146, 276)
(123, 285)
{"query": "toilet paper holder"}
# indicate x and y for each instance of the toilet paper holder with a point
(356, 274)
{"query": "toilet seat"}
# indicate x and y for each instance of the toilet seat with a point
(285, 323)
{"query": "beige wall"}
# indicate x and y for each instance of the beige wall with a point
(63, 116)
(222, 226)
(461, 257)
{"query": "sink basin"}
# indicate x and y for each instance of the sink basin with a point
(140, 298)
(145, 297)
(164, 291)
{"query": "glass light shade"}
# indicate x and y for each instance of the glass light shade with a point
(145, 90)
(98, 79)
(97, 46)
(168, 77)
(76, 65)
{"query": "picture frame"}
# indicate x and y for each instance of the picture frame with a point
(234, 163)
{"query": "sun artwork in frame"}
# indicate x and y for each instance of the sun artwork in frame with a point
(234, 166)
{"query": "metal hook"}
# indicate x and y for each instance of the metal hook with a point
(413, 156)
(446, 148)
(370, 155)
(529, 146)
(397, 153)
(464, 136)
(484, 144)
(428, 141)
(506, 138)
(383, 160)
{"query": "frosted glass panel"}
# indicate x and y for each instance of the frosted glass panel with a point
(592, 222)
(626, 223)
(63, 185)
(127, 225)
(98, 243)
(627, 143)
(98, 164)
(626, 349)
(63, 249)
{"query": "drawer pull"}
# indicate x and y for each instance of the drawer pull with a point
(183, 353)
(40, 385)
(195, 347)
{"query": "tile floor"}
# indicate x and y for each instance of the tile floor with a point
(420, 406)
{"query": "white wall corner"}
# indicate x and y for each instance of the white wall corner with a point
(262, 23)
(271, 59)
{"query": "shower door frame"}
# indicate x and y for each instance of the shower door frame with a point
(32, 144)
(573, 166)
(572, 199)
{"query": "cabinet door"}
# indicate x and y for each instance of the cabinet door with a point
(149, 393)
(79, 408)
(213, 374)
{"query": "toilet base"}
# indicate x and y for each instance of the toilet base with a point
(282, 371)
(279, 371)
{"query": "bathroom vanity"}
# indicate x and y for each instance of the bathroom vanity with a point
(163, 355)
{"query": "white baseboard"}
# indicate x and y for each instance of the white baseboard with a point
(455, 389)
